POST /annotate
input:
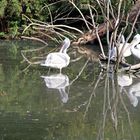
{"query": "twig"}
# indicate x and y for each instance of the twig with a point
(49, 12)
(52, 26)
(93, 93)
(128, 115)
(77, 59)
(80, 14)
(34, 38)
(107, 24)
(101, 46)
(31, 63)
(96, 30)
(79, 73)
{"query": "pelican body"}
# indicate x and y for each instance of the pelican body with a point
(59, 59)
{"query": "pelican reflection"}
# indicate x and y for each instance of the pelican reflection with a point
(59, 82)
(124, 80)
(134, 91)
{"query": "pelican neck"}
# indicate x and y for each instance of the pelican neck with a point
(63, 49)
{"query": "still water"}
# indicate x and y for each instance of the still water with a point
(82, 103)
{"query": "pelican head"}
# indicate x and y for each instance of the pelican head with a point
(66, 44)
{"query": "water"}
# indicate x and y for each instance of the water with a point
(38, 104)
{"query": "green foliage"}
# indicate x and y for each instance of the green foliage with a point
(34, 9)
(2, 34)
(12, 11)
(3, 4)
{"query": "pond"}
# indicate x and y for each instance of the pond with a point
(82, 103)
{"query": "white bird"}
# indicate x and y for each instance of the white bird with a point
(127, 47)
(60, 82)
(59, 59)
(136, 51)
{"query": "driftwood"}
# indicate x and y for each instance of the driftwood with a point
(90, 36)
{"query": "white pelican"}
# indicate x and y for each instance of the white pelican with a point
(58, 59)
(136, 51)
(60, 82)
(127, 47)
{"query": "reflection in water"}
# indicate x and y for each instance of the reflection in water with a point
(125, 80)
(96, 109)
(60, 82)
(88, 53)
(134, 91)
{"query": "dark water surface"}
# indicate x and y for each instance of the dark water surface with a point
(38, 104)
